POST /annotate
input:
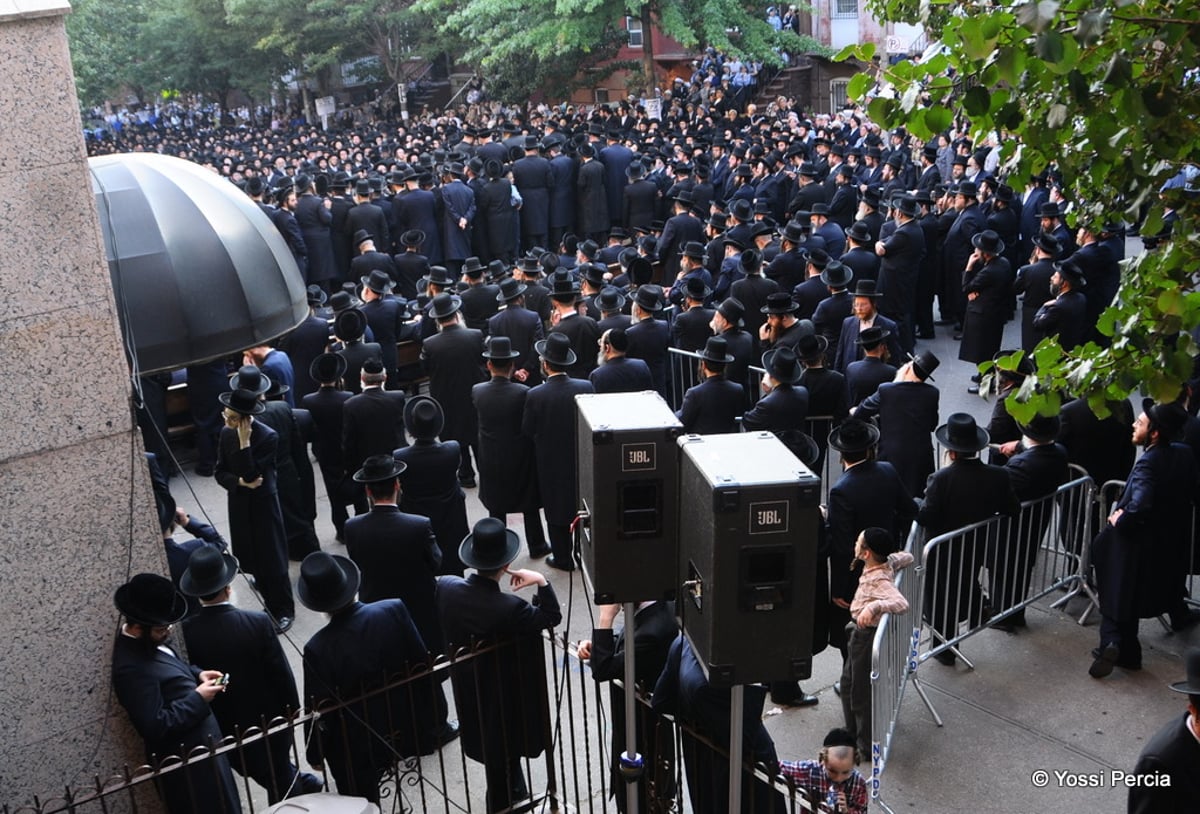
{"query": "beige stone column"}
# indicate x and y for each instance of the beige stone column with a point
(76, 511)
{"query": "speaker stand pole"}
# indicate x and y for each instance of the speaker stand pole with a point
(631, 762)
(736, 703)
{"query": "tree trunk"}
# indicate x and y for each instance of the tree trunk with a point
(648, 65)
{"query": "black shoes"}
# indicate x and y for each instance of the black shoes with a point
(1104, 660)
(538, 553)
(561, 565)
(946, 657)
(792, 695)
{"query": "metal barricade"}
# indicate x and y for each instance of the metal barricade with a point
(894, 663)
(683, 373)
(975, 576)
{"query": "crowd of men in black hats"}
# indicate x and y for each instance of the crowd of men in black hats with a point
(523, 261)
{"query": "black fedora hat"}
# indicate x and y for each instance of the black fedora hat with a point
(859, 232)
(1073, 272)
(779, 302)
(1041, 428)
(328, 367)
(924, 363)
(694, 249)
(1048, 243)
(208, 571)
(423, 418)
(640, 270)
(439, 275)
(350, 324)
(610, 298)
(648, 297)
(1191, 686)
(243, 401)
(472, 267)
(793, 231)
(589, 249)
(444, 305)
(378, 281)
(716, 349)
(696, 288)
(489, 546)
(988, 241)
(750, 261)
(732, 310)
(556, 349)
(801, 445)
(1049, 210)
(854, 435)
(251, 378)
(811, 347)
(908, 206)
(1168, 419)
(783, 365)
(593, 273)
(498, 347)
(564, 284)
(379, 468)
(866, 288)
(339, 301)
(413, 237)
(1025, 367)
(150, 599)
(960, 433)
(742, 210)
(967, 189)
(836, 274)
(315, 295)
(361, 237)
(871, 337)
(328, 582)
(510, 289)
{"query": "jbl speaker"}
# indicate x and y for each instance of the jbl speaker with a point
(628, 484)
(748, 525)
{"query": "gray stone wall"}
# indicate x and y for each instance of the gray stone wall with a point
(76, 511)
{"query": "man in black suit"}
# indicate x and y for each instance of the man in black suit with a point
(362, 647)
(869, 493)
(580, 329)
(348, 328)
(372, 424)
(452, 360)
(864, 376)
(727, 322)
(690, 329)
(864, 316)
(713, 405)
(387, 317)
(654, 630)
(550, 421)
(784, 404)
(303, 344)
(1173, 754)
(957, 248)
(832, 311)
(1033, 281)
(1065, 314)
(752, 292)
(908, 412)
(410, 264)
(500, 694)
(167, 699)
(366, 216)
(1141, 554)
(326, 406)
(369, 259)
(397, 554)
(809, 294)
(479, 299)
(782, 328)
(649, 336)
(243, 646)
(902, 255)
(522, 327)
(246, 471)
(681, 229)
(617, 373)
(534, 177)
(507, 480)
(610, 302)
(826, 390)
(860, 255)
(965, 492)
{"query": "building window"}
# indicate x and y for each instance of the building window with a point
(601, 96)
(837, 93)
(845, 8)
(634, 26)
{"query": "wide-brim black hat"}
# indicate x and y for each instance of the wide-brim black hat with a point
(779, 303)
(499, 348)
(837, 274)
(783, 365)
(960, 433)
(439, 275)
(510, 289)
(378, 281)
(556, 349)
(988, 241)
(250, 378)
(328, 367)
(1041, 428)
(444, 305)
(854, 435)
(242, 401)
(924, 363)
(716, 349)
(413, 237)
(811, 347)
(327, 582)
(647, 298)
(350, 324)
(208, 571)
(423, 418)
(315, 295)
(1168, 419)
(1191, 685)
(800, 445)
(610, 298)
(489, 545)
(379, 468)
(150, 599)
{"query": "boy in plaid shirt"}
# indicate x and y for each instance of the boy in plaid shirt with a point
(831, 781)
